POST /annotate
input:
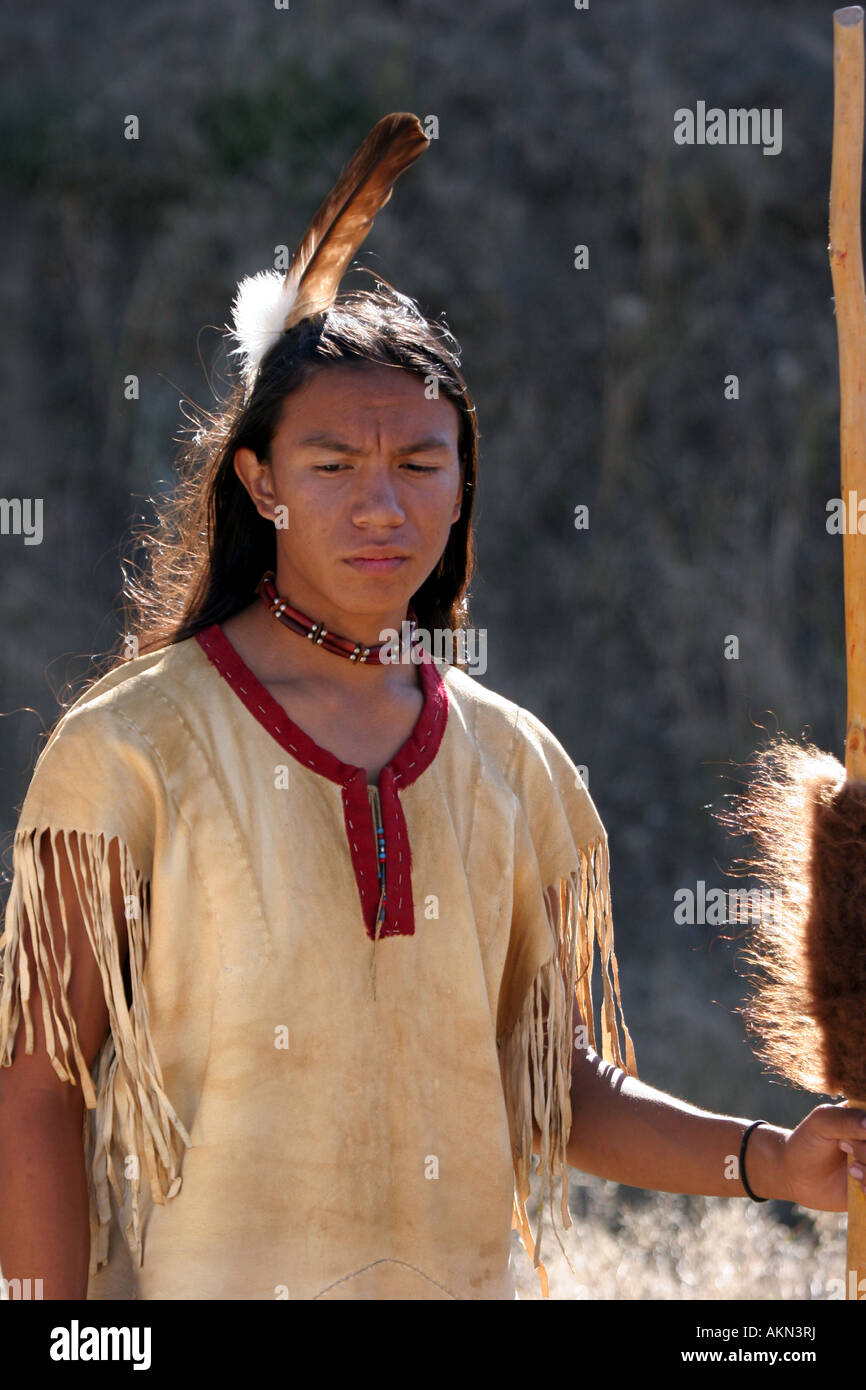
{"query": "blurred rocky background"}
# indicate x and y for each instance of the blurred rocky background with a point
(601, 386)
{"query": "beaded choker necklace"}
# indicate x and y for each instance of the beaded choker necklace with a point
(298, 622)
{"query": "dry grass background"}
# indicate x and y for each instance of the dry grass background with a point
(627, 1244)
(602, 386)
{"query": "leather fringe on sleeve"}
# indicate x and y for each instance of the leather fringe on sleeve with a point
(131, 1123)
(579, 915)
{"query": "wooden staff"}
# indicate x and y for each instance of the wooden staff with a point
(846, 267)
(805, 812)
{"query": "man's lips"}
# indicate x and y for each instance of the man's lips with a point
(378, 565)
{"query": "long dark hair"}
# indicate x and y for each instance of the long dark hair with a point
(209, 546)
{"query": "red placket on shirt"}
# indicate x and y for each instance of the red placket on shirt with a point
(407, 764)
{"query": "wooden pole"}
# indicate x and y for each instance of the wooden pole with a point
(846, 267)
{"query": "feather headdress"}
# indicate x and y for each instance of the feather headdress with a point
(268, 303)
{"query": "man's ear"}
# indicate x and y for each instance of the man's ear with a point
(255, 474)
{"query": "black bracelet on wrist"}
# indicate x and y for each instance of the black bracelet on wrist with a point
(743, 1179)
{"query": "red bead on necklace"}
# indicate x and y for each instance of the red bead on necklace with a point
(299, 622)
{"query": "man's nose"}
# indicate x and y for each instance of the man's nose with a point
(377, 500)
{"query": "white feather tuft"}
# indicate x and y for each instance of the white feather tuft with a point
(259, 313)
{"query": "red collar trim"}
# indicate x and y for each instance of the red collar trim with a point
(407, 764)
(410, 760)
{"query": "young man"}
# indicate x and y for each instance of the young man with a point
(306, 937)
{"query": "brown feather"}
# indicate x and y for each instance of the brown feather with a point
(346, 216)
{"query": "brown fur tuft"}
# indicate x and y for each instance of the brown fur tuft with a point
(807, 1013)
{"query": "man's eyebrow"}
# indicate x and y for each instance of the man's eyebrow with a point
(428, 444)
